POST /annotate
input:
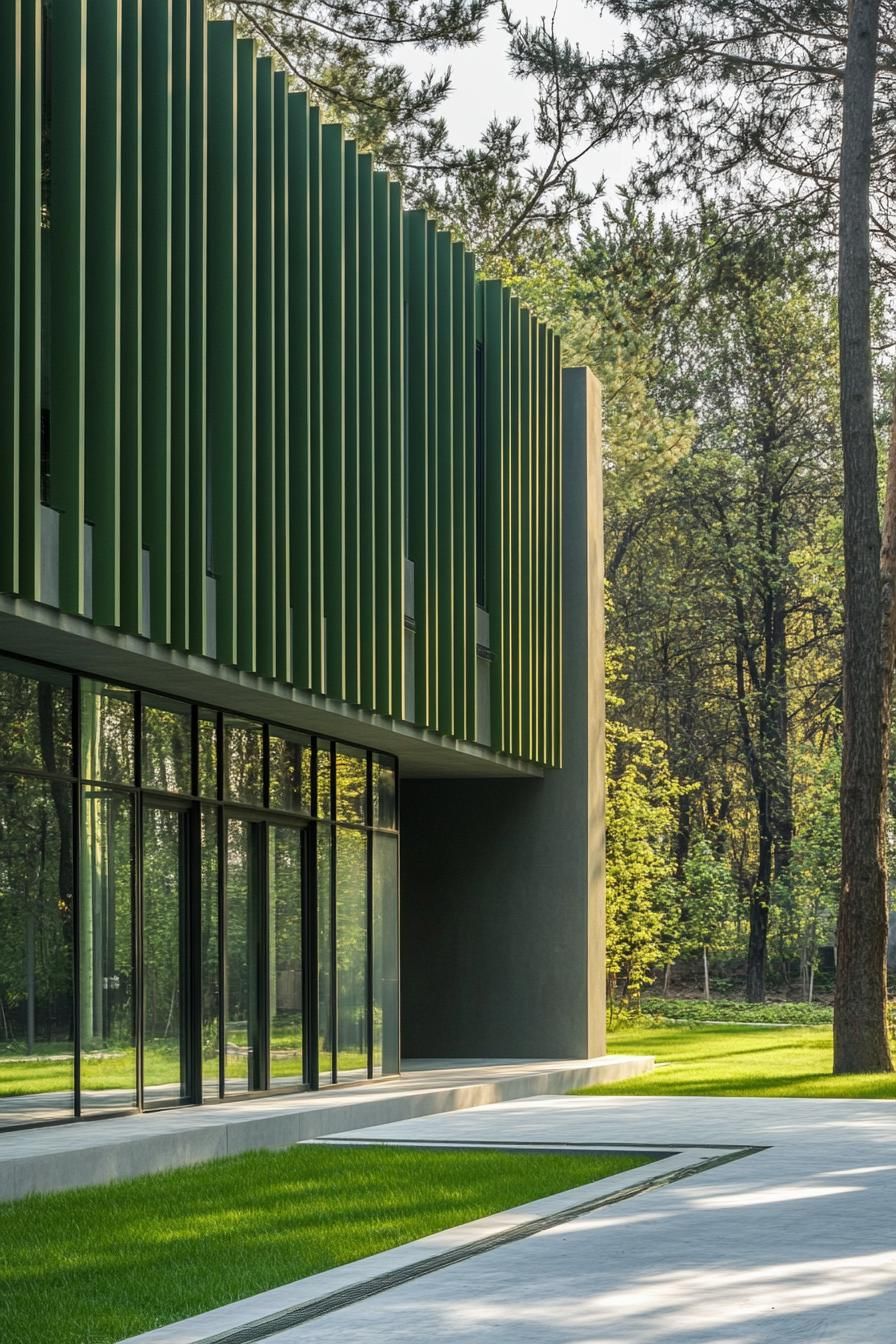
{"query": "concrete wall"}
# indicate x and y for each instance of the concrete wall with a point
(502, 905)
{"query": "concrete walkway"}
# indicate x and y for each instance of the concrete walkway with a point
(790, 1245)
(60, 1157)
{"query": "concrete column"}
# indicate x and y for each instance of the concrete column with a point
(503, 898)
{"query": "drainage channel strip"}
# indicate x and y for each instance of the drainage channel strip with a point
(268, 1326)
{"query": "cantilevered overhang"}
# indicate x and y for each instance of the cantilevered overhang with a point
(32, 630)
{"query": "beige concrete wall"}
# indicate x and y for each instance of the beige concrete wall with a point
(503, 882)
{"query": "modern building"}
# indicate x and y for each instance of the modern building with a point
(298, 517)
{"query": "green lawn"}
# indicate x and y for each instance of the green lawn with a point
(733, 1061)
(94, 1266)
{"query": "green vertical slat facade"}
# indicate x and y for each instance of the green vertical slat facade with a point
(254, 370)
(67, 137)
(157, 348)
(11, 91)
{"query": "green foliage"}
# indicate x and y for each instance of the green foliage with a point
(735, 1010)
(94, 1266)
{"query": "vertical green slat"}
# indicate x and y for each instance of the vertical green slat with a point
(197, 563)
(383, 444)
(550, 554)
(495, 525)
(463, 538)
(442, 496)
(418, 399)
(221, 329)
(246, 500)
(181, 391)
(558, 554)
(301, 191)
(283, 483)
(525, 531)
(374, 636)
(473, 323)
(399, 485)
(30, 300)
(433, 715)
(266, 594)
(507, 657)
(351, 477)
(157, 147)
(542, 549)
(333, 361)
(131, 338)
(10, 281)
(66, 222)
(316, 399)
(102, 362)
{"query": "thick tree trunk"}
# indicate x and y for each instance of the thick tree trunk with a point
(860, 1028)
(760, 898)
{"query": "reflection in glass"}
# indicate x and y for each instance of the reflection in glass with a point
(384, 793)
(324, 955)
(166, 764)
(208, 956)
(243, 761)
(290, 772)
(285, 955)
(107, 733)
(208, 753)
(106, 951)
(351, 953)
(385, 953)
(324, 777)
(35, 718)
(165, 870)
(351, 784)
(36, 966)
(241, 1062)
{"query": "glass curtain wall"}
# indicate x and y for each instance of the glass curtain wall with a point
(192, 904)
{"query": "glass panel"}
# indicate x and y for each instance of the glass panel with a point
(351, 784)
(324, 955)
(384, 800)
(165, 872)
(35, 718)
(208, 956)
(351, 954)
(290, 772)
(107, 733)
(106, 951)
(324, 799)
(36, 966)
(385, 953)
(241, 1018)
(285, 954)
(243, 761)
(208, 753)
(167, 762)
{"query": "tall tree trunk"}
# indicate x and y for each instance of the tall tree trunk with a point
(860, 1027)
(760, 898)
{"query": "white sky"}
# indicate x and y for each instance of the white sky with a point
(483, 86)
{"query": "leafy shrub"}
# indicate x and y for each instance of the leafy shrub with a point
(733, 1010)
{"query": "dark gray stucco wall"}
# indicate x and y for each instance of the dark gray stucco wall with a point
(502, 905)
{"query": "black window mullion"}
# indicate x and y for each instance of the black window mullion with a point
(76, 893)
(369, 881)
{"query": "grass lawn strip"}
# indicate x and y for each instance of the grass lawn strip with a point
(738, 1061)
(94, 1266)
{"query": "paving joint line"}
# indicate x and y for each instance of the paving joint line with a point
(267, 1327)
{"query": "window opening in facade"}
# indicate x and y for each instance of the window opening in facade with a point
(193, 904)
